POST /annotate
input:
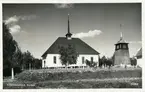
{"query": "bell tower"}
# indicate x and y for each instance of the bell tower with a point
(121, 55)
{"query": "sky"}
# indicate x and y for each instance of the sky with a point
(36, 26)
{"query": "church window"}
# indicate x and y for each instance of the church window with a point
(54, 59)
(83, 60)
(44, 63)
(91, 58)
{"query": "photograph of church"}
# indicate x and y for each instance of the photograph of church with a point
(72, 46)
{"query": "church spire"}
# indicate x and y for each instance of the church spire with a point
(121, 35)
(68, 24)
(68, 35)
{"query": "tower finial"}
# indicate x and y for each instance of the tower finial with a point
(121, 34)
(121, 31)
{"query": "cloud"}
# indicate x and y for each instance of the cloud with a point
(12, 22)
(12, 19)
(135, 42)
(17, 18)
(28, 17)
(64, 5)
(15, 29)
(91, 33)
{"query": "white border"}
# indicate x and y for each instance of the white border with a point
(73, 1)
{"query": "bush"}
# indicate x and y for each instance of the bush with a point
(91, 63)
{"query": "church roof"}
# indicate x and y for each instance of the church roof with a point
(80, 46)
(139, 53)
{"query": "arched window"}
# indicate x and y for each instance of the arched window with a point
(54, 59)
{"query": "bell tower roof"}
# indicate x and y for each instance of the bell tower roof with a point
(121, 39)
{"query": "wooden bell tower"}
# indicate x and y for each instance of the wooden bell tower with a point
(121, 55)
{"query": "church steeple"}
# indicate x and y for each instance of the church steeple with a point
(68, 35)
(121, 35)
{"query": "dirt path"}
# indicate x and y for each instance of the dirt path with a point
(81, 83)
(80, 80)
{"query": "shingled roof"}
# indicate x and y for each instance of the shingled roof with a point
(121, 41)
(80, 46)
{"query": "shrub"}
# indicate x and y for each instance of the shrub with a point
(91, 63)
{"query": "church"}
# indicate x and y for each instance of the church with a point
(51, 57)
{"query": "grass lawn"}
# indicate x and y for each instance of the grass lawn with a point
(76, 78)
(75, 84)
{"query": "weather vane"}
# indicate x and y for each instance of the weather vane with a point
(121, 30)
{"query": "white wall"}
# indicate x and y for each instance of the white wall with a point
(50, 63)
(140, 62)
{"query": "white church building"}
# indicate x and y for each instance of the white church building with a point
(51, 57)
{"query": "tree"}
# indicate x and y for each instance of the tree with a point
(133, 61)
(109, 62)
(68, 55)
(102, 61)
(37, 64)
(13, 58)
(27, 60)
(10, 48)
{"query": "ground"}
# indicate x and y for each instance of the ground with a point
(128, 82)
